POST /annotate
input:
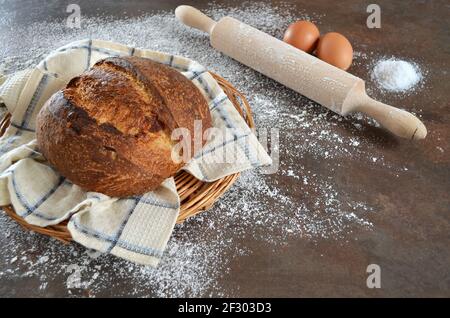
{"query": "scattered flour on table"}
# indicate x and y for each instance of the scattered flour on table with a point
(258, 207)
(396, 75)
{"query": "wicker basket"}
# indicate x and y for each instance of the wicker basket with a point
(195, 195)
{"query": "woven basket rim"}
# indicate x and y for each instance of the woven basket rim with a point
(195, 195)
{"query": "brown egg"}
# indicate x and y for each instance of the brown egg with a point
(303, 35)
(335, 49)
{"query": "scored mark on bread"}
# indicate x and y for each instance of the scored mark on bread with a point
(111, 151)
(127, 68)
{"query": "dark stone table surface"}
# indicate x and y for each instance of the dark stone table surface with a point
(398, 190)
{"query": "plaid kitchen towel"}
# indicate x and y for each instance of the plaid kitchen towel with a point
(135, 228)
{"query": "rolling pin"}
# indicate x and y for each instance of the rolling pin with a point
(325, 84)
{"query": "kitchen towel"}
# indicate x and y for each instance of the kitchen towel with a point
(135, 228)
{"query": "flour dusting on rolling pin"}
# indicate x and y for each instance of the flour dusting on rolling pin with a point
(327, 85)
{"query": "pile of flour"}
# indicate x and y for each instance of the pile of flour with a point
(396, 75)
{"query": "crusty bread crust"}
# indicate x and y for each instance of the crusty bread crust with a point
(109, 130)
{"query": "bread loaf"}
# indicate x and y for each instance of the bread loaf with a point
(109, 130)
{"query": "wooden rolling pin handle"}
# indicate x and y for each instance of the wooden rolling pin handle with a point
(194, 18)
(397, 121)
